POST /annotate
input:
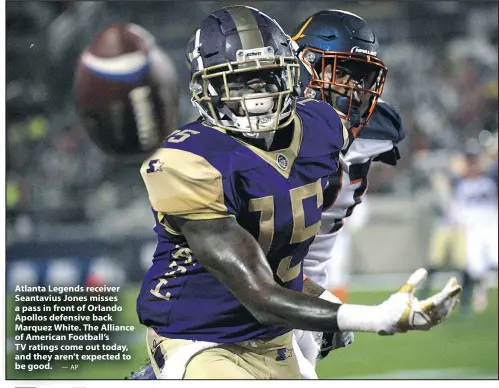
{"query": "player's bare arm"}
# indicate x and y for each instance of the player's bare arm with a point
(310, 287)
(234, 257)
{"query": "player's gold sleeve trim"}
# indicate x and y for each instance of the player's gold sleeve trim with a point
(169, 228)
(186, 185)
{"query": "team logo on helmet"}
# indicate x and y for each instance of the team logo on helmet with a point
(282, 161)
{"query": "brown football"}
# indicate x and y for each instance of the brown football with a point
(126, 91)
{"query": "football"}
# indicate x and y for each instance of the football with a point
(126, 91)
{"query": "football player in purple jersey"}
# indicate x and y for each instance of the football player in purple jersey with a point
(238, 197)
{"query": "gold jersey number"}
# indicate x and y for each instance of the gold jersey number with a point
(265, 205)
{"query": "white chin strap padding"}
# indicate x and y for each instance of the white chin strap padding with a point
(259, 105)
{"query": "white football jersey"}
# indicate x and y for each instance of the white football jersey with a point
(346, 188)
(354, 167)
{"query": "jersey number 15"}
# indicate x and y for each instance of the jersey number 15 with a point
(301, 233)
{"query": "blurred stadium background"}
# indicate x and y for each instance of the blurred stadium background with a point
(75, 216)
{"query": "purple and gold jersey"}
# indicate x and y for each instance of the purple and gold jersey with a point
(202, 173)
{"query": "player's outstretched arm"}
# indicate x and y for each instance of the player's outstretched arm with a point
(402, 311)
(234, 257)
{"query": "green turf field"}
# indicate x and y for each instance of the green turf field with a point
(460, 348)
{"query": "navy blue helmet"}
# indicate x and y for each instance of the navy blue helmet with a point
(340, 54)
(244, 75)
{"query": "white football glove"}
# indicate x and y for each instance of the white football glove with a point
(403, 311)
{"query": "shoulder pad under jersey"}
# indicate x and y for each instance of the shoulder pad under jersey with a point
(191, 175)
(385, 124)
